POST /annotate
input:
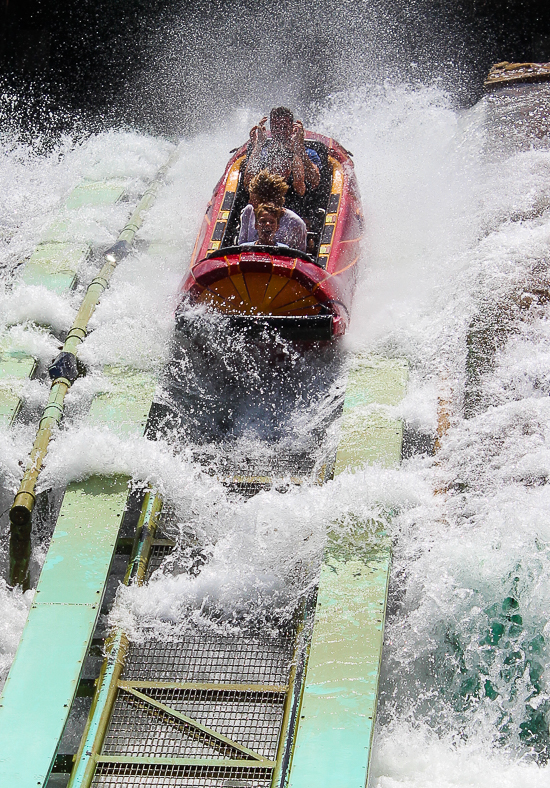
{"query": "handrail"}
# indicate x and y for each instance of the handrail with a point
(274, 251)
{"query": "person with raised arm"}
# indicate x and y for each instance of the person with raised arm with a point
(284, 153)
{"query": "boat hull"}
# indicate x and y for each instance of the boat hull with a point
(262, 282)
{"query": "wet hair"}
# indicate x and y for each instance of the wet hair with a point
(268, 188)
(274, 210)
(281, 112)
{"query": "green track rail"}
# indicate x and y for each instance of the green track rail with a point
(205, 710)
(168, 725)
(45, 675)
(63, 372)
(334, 735)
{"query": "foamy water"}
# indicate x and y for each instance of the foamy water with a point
(464, 692)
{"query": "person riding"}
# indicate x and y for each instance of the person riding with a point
(284, 154)
(268, 217)
(268, 188)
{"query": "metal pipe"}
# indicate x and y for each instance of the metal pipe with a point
(145, 533)
(64, 372)
(96, 727)
(107, 685)
(20, 512)
(293, 697)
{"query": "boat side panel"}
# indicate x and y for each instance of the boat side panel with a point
(218, 211)
(342, 233)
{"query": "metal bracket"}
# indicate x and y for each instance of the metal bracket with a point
(64, 366)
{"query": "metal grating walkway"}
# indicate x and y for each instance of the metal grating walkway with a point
(218, 701)
(201, 710)
(212, 658)
(209, 776)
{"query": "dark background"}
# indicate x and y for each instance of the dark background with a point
(166, 66)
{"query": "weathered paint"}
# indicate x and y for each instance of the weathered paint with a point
(22, 507)
(40, 688)
(55, 262)
(369, 434)
(55, 265)
(95, 193)
(44, 675)
(125, 403)
(336, 719)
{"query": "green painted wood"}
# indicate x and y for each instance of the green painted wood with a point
(125, 403)
(55, 265)
(15, 367)
(39, 689)
(375, 380)
(336, 721)
(44, 676)
(95, 193)
(83, 541)
(371, 438)
(56, 261)
(58, 231)
(369, 434)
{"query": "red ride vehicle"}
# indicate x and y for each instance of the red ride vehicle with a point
(305, 296)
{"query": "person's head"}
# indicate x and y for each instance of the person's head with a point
(281, 122)
(268, 217)
(267, 188)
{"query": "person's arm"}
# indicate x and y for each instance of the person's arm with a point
(247, 217)
(309, 173)
(301, 232)
(298, 175)
(257, 137)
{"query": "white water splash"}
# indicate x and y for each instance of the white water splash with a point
(447, 233)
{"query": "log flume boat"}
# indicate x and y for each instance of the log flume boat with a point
(304, 295)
